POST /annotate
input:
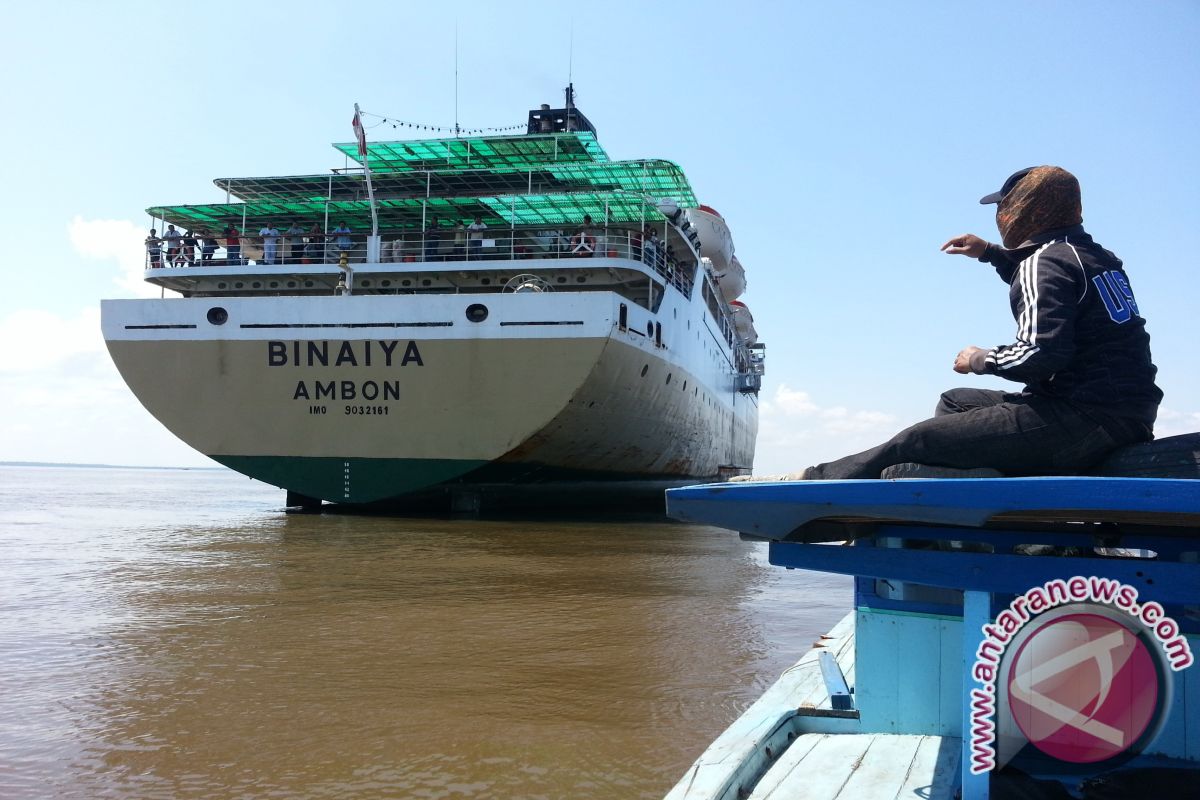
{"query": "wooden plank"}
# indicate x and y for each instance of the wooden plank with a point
(876, 686)
(818, 774)
(863, 767)
(934, 771)
(883, 768)
(835, 682)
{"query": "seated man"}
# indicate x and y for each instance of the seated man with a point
(1081, 350)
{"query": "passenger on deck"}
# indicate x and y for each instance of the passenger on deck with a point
(583, 243)
(342, 240)
(635, 245)
(433, 239)
(208, 246)
(173, 238)
(475, 237)
(1081, 351)
(154, 249)
(188, 253)
(650, 248)
(314, 245)
(294, 244)
(233, 245)
(270, 239)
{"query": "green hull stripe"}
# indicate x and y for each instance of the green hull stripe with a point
(350, 480)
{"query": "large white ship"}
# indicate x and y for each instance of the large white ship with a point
(452, 321)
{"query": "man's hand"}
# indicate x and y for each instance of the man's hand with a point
(968, 244)
(962, 361)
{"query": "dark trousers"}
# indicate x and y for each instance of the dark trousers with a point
(1016, 433)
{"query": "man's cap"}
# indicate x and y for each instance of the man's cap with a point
(1013, 180)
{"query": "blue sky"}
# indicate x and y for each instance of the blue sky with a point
(843, 143)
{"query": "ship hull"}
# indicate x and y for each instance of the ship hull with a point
(363, 400)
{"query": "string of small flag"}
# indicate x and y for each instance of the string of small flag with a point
(399, 123)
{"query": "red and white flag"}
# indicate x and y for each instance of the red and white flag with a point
(361, 135)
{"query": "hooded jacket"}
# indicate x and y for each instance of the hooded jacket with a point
(1080, 333)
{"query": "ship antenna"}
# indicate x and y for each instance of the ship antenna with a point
(456, 77)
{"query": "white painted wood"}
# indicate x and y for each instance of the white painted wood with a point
(863, 767)
(934, 769)
(818, 774)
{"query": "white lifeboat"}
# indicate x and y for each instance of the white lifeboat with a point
(732, 281)
(716, 243)
(743, 322)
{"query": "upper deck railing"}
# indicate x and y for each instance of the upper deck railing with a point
(272, 247)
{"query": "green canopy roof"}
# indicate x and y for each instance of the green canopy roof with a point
(652, 177)
(487, 152)
(557, 210)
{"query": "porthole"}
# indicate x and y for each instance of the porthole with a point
(385, 283)
(274, 284)
(427, 282)
(668, 379)
(238, 285)
(650, 329)
(581, 278)
(502, 279)
(291, 284)
(562, 278)
(218, 315)
(308, 284)
(684, 387)
(486, 281)
(366, 283)
(406, 282)
(477, 312)
(257, 284)
(645, 369)
(222, 285)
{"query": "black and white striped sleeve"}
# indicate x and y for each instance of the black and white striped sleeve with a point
(1044, 297)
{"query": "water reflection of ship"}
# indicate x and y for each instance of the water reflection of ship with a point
(580, 342)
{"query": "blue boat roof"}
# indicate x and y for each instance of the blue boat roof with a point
(777, 510)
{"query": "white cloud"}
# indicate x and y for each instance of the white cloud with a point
(1173, 423)
(117, 240)
(795, 431)
(58, 339)
(63, 399)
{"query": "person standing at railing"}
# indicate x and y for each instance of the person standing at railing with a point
(650, 248)
(433, 239)
(583, 243)
(233, 245)
(314, 246)
(208, 246)
(188, 255)
(635, 245)
(294, 244)
(475, 236)
(173, 238)
(342, 240)
(154, 249)
(270, 239)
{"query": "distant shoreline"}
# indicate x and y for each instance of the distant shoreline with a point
(105, 466)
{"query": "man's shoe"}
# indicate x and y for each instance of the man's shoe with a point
(802, 475)
(910, 470)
